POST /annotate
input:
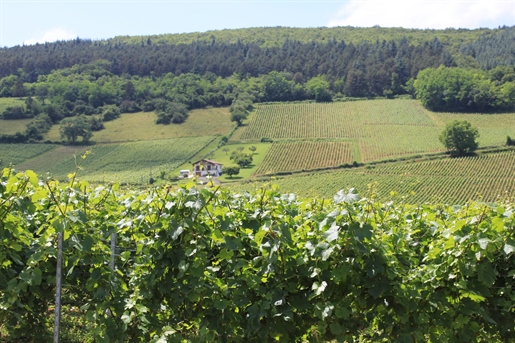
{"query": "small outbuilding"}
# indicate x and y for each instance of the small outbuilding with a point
(206, 167)
(185, 173)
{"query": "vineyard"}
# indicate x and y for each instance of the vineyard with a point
(132, 162)
(384, 129)
(206, 265)
(16, 153)
(448, 180)
(297, 156)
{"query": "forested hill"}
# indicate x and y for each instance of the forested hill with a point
(275, 36)
(335, 52)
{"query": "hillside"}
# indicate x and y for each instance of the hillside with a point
(311, 149)
(276, 36)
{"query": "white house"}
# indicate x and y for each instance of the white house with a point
(205, 167)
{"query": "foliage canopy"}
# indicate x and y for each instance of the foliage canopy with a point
(205, 264)
(459, 137)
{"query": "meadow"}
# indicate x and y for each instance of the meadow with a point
(141, 126)
(10, 102)
(10, 127)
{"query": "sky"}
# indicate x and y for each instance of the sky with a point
(32, 21)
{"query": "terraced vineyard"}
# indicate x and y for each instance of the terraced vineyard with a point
(450, 180)
(131, 162)
(297, 156)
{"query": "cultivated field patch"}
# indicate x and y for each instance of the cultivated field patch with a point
(448, 180)
(18, 153)
(333, 120)
(304, 155)
(382, 129)
(131, 162)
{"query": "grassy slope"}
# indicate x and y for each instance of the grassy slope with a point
(141, 126)
(10, 102)
(18, 153)
(10, 127)
(376, 129)
(142, 146)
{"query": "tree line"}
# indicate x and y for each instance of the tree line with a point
(466, 90)
(366, 67)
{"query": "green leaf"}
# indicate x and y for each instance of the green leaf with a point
(258, 237)
(36, 277)
(336, 329)
(327, 253)
(486, 274)
(176, 232)
(473, 296)
(38, 195)
(87, 243)
(221, 304)
(225, 254)
(363, 232)
(183, 267)
(449, 243)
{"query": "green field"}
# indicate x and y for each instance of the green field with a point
(131, 162)
(10, 127)
(493, 128)
(141, 127)
(450, 180)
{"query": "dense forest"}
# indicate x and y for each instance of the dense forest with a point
(448, 70)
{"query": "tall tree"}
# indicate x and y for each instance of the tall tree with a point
(73, 128)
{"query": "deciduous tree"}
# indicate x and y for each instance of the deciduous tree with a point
(459, 137)
(73, 128)
(234, 170)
